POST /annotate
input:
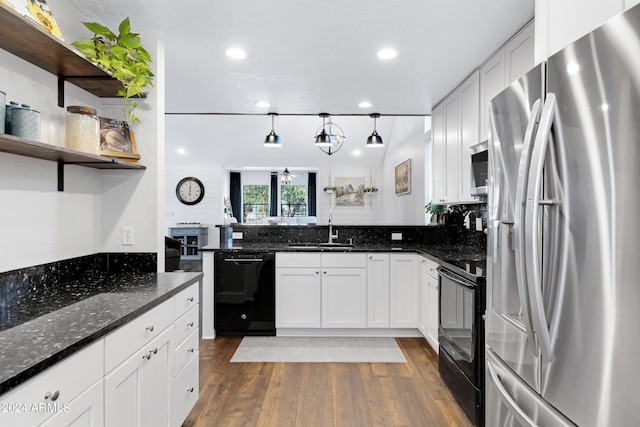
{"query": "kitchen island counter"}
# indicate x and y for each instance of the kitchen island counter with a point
(81, 312)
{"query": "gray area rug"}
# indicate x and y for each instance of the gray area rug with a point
(319, 349)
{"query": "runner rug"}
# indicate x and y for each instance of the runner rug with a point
(319, 349)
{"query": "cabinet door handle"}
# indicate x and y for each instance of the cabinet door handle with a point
(155, 350)
(370, 256)
(190, 324)
(147, 356)
(190, 350)
(190, 389)
(190, 299)
(317, 272)
(149, 328)
(52, 395)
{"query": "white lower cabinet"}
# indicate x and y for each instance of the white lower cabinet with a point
(429, 301)
(59, 395)
(298, 296)
(137, 391)
(378, 290)
(184, 391)
(315, 290)
(344, 298)
(86, 410)
(403, 290)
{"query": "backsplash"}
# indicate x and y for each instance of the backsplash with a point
(17, 283)
(432, 235)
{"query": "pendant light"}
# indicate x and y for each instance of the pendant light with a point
(374, 139)
(272, 140)
(286, 176)
(323, 139)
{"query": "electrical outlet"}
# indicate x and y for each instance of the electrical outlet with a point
(478, 224)
(396, 236)
(127, 235)
(237, 235)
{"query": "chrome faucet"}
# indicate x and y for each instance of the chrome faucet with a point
(331, 235)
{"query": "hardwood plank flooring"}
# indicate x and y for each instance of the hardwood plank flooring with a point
(322, 394)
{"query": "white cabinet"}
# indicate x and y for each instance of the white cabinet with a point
(344, 298)
(378, 290)
(324, 290)
(298, 295)
(137, 390)
(403, 290)
(86, 410)
(429, 301)
(59, 394)
(508, 64)
(469, 132)
(455, 128)
(438, 154)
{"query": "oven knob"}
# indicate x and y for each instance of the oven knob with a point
(243, 317)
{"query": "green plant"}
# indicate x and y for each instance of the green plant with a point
(370, 190)
(329, 189)
(121, 55)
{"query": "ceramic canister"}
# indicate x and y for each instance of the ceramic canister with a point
(23, 121)
(3, 110)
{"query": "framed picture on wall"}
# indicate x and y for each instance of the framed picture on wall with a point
(403, 177)
(350, 191)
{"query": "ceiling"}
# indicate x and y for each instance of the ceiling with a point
(307, 57)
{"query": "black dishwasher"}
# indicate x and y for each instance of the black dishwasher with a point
(244, 293)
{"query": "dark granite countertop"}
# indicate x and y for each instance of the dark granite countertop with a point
(435, 252)
(48, 326)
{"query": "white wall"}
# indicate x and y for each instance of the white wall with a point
(407, 142)
(38, 224)
(369, 214)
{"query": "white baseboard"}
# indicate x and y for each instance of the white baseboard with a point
(348, 332)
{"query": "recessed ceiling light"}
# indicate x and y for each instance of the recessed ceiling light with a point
(356, 152)
(262, 104)
(236, 53)
(387, 54)
(364, 104)
(181, 151)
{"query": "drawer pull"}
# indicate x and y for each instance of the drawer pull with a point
(147, 356)
(191, 350)
(190, 324)
(190, 299)
(53, 396)
(149, 328)
(190, 389)
(155, 350)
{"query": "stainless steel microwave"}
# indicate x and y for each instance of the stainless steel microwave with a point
(480, 169)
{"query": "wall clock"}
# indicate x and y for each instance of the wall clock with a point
(190, 190)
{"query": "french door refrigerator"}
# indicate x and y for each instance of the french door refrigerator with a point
(563, 280)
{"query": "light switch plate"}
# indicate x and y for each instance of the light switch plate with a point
(396, 236)
(237, 235)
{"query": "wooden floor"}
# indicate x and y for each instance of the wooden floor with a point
(322, 394)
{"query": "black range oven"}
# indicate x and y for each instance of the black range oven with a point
(461, 333)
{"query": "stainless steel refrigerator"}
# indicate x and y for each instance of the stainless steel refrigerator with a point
(563, 282)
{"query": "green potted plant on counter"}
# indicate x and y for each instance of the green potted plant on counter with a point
(123, 56)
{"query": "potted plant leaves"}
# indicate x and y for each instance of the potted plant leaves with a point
(123, 56)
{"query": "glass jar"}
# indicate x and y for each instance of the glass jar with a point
(82, 129)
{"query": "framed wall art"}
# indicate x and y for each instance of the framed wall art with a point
(349, 191)
(403, 177)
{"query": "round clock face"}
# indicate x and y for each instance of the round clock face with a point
(190, 190)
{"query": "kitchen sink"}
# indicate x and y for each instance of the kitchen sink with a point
(322, 246)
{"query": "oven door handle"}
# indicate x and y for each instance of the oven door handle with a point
(243, 260)
(450, 276)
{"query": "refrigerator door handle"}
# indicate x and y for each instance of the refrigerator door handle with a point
(519, 222)
(517, 412)
(532, 220)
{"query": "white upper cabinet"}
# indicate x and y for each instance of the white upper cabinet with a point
(512, 61)
(469, 96)
(455, 128)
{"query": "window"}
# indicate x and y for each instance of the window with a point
(293, 200)
(255, 199)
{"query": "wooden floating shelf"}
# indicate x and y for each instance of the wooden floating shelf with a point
(38, 150)
(32, 43)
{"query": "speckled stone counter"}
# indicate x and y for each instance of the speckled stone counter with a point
(81, 312)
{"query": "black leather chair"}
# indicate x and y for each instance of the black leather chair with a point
(172, 251)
